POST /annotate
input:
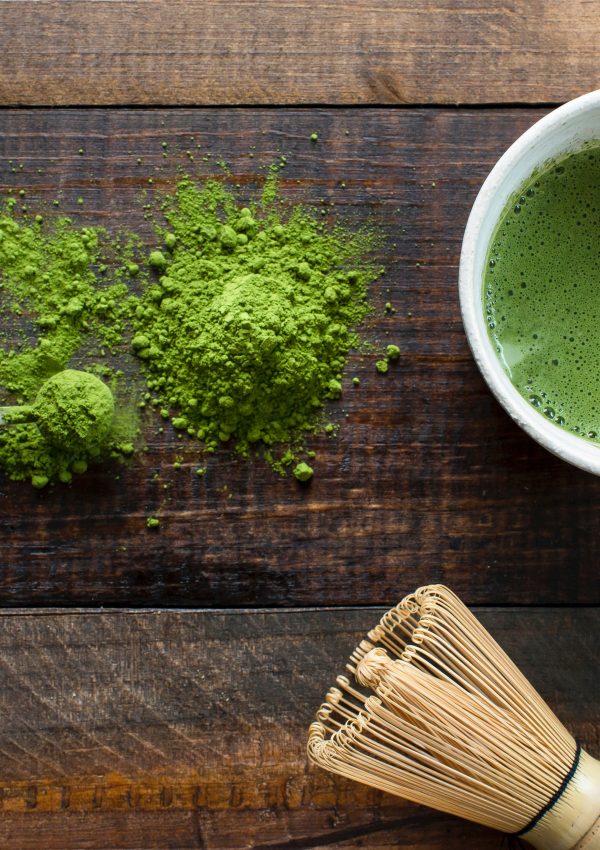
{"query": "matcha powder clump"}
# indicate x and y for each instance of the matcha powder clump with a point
(246, 332)
(74, 410)
(69, 423)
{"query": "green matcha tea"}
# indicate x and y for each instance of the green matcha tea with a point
(542, 291)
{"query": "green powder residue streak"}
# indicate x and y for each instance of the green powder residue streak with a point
(245, 334)
(50, 278)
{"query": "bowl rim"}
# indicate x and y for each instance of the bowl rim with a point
(569, 447)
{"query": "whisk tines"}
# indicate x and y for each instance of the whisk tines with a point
(433, 710)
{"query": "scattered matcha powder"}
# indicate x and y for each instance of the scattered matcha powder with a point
(53, 311)
(242, 332)
(50, 278)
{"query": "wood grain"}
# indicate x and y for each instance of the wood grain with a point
(428, 479)
(254, 52)
(186, 729)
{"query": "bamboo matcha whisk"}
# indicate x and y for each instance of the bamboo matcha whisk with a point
(452, 723)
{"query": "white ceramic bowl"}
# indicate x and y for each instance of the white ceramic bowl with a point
(565, 129)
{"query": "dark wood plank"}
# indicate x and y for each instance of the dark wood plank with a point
(428, 479)
(218, 52)
(187, 729)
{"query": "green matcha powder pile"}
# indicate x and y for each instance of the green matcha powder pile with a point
(242, 325)
(246, 332)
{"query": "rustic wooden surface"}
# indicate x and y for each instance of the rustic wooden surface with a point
(155, 729)
(186, 729)
(256, 52)
(428, 478)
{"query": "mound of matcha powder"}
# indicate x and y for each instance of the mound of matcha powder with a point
(246, 331)
(74, 411)
(68, 424)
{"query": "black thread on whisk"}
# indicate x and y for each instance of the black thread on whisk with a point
(554, 799)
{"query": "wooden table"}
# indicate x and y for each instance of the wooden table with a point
(155, 688)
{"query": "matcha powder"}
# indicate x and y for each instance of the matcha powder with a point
(241, 321)
(245, 333)
(68, 424)
(57, 309)
(74, 410)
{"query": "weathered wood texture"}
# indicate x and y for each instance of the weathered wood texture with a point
(428, 479)
(187, 729)
(256, 52)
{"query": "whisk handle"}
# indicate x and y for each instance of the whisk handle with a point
(573, 823)
(591, 840)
